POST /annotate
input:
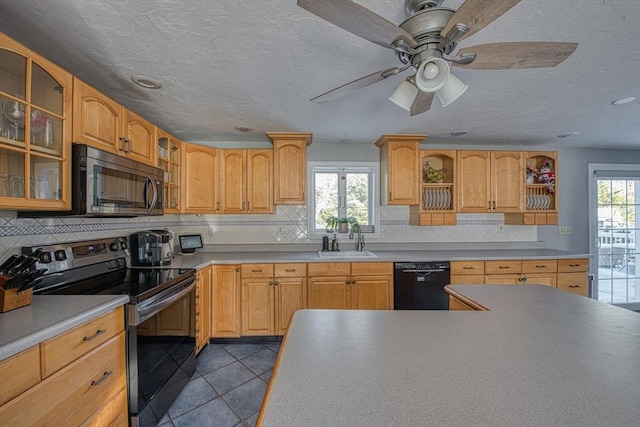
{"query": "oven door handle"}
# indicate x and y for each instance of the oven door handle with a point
(145, 313)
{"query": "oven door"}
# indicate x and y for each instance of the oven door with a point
(114, 189)
(161, 353)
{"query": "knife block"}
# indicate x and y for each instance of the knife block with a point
(10, 299)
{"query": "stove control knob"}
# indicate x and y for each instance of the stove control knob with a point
(114, 246)
(60, 255)
(45, 257)
(123, 244)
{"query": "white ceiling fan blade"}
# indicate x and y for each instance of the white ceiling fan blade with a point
(512, 55)
(477, 14)
(357, 84)
(422, 103)
(358, 20)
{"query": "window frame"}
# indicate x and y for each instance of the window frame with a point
(374, 200)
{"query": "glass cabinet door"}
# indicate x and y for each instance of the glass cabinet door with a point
(34, 123)
(169, 161)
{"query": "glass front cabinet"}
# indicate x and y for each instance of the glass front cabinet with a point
(169, 161)
(437, 189)
(35, 130)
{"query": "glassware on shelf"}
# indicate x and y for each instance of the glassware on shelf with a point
(13, 111)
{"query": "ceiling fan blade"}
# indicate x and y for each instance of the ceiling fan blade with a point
(358, 20)
(422, 103)
(505, 56)
(477, 14)
(357, 84)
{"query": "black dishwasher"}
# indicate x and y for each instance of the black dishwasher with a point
(420, 285)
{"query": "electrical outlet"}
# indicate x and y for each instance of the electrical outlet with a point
(565, 229)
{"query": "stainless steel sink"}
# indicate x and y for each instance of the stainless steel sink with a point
(346, 254)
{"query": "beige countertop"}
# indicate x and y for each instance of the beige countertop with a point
(48, 316)
(539, 357)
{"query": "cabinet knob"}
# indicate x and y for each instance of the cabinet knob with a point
(276, 283)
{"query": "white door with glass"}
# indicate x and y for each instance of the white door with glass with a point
(615, 233)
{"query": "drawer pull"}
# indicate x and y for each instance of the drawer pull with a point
(574, 286)
(290, 270)
(468, 268)
(105, 375)
(502, 267)
(256, 271)
(541, 266)
(98, 332)
(574, 265)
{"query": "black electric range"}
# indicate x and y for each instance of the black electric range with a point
(160, 315)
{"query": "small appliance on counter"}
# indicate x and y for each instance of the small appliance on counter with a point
(189, 243)
(151, 248)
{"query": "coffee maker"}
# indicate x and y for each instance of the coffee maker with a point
(151, 248)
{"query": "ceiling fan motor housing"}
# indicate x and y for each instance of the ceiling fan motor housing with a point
(413, 6)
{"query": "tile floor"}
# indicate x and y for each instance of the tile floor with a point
(227, 387)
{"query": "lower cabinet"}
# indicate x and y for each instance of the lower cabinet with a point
(225, 301)
(203, 308)
(83, 380)
(565, 274)
(361, 285)
(271, 293)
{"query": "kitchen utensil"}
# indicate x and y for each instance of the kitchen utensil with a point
(8, 263)
(14, 268)
(29, 285)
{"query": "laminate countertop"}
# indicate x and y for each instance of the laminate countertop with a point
(202, 259)
(539, 357)
(48, 316)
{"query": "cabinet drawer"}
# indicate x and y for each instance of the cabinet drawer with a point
(502, 267)
(467, 267)
(328, 269)
(577, 283)
(61, 350)
(257, 270)
(114, 413)
(467, 279)
(18, 373)
(575, 264)
(291, 270)
(371, 268)
(73, 394)
(540, 266)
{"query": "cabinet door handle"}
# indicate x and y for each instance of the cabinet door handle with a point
(489, 205)
(494, 205)
(105, 375)
(270, 282)
(98, 332)
(248, 205)
(122, 139)
(237, 269)
(276, 283)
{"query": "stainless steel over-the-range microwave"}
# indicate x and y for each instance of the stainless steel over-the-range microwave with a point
(109, 185)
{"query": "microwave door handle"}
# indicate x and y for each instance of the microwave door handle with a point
(154, 200)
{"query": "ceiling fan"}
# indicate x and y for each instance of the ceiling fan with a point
(425, 41)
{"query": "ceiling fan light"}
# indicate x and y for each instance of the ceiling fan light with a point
(432, 74)
(452, 90)
(404, 95)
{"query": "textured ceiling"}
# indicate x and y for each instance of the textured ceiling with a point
(229, 63)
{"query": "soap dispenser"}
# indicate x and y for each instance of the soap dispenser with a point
(334, 243)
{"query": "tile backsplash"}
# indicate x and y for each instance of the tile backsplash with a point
(288, 225)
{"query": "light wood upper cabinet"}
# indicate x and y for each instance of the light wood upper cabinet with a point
(290, 167)
(101, 122)
(246, 181)
(490, 181)
(97, 119)
(437, 189)
(199, 180)
(35, 130)
(400, 169)
(226, 305)
(140, 138)
(169, 159)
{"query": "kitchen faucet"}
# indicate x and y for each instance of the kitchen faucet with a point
(360, 240)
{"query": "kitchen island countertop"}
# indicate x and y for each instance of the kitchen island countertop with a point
(539, 357)
(48, 316)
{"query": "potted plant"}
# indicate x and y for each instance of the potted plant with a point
(341, 225)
